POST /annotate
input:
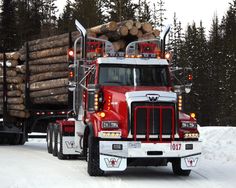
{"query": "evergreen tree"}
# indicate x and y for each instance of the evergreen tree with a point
(88, 12)
(159, 14)
(229, 40)
(22, 19)
(144, 11)
(66, 21)
(35, 18)
(8, 25)
(119, 10)
(193, 54)
(49, 19)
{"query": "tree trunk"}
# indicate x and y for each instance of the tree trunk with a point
(49, 60)
(104, 28)
(118, 45)
(11, 56)
(128, 23)
(15, 93)
(49, 84)
(35, 69)
(20, 114)
(133, 31)
(49, 92)
(20, 69)
(11, 73)
(16, 107)
(15, 100)
(137, 24)
(47, 53)
(146, 27)
(48, 76)
(12, 80)
(57, 99)
(140, 34)
(10, 63)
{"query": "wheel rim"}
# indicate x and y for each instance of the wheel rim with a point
(53, 140)
(48, 138)
(59, 142)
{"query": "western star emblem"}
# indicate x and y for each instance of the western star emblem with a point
(191, 162)
(113, 162)
(153, 97)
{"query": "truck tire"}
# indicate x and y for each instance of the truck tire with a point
(93, 157)
(60, 154)
(54, 140)
(49, 138)
(177, 170)
(22, 138)
(14, 139)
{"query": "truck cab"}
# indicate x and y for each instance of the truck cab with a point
(126, 111)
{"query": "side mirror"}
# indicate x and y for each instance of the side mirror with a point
(182, 79)
(188, 78)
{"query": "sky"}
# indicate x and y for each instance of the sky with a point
(187, 10)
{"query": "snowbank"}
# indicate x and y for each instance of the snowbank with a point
(218, 143)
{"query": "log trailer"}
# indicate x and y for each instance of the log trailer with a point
(124, 109)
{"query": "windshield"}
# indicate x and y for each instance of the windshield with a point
(132, 75)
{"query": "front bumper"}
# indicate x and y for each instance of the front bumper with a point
(114, 154)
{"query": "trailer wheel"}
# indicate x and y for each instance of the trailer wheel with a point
(14, 139)
(54, 140)
(93, 157)
(60, 154)
(177, 170)
(22, 139)
(49, 137)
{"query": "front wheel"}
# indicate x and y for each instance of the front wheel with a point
(93, 157)
(177, 170)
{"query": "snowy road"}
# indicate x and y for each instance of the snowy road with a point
(30, 166)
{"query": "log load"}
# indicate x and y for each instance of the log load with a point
(15, 101)
(48, 67)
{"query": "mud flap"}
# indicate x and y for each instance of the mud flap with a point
(188, 163)
(68, 144)
(110, 163)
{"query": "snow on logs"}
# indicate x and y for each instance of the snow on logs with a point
(48, 66)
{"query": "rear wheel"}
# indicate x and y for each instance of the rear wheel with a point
(93, 157)
(49, 138)
(177, 170)
(60, 154)
(54, 140)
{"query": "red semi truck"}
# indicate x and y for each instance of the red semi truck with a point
(126, 111)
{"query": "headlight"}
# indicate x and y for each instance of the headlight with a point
(189, 125)
(110, 125)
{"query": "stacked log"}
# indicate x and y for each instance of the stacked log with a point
(15, 96)
(47, 57)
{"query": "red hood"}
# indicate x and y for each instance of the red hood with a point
(125, 89)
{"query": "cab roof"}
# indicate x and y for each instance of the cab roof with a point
(131, 61)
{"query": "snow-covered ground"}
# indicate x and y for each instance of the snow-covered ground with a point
(30, 166)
